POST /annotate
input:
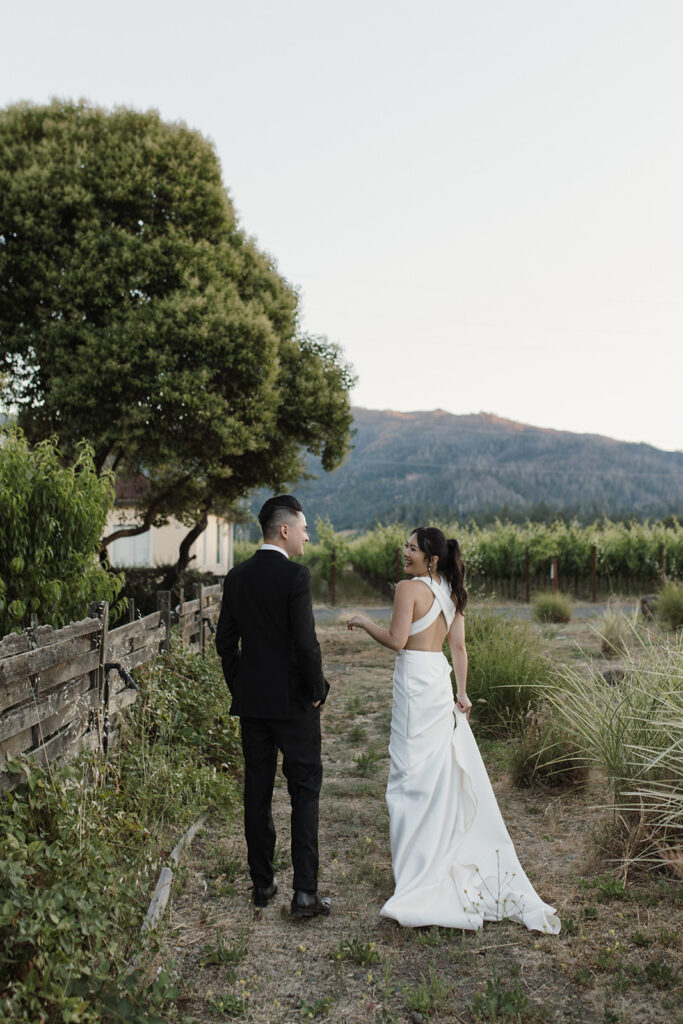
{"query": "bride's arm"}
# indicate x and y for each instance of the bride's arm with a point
(396, 636)
(456, 642)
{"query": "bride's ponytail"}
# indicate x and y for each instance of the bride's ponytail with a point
(454, 571)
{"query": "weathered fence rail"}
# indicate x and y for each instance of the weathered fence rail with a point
(60, 689)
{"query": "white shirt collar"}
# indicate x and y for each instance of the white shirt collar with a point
(274, 547)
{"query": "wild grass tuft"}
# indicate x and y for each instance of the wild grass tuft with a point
(634, 733)
(617, 632)
(551, 608)
(670, 606)
(545, 756)
(506, 672)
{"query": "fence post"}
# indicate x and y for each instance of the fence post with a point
(100, 610)
(527, 575)
(333, 576)
(594, 573)
(198, 594)
(164, 606)
(553, 575)
(661, 565)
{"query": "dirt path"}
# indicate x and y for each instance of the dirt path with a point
(261, 966)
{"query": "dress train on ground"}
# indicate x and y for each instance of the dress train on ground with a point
(454, 862)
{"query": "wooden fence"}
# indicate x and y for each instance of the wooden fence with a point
(60, 689)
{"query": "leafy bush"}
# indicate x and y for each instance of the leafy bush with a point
(81, 847)
(506, 671)
(141, 583)
(51, 519)
(670, 606)
(544, 756)
(551, 608)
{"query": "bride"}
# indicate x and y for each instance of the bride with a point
(454, 862)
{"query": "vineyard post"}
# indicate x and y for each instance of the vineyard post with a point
(553, 575)
(594, 572)
(398, 565)
(527, 574)
(661, 565)
(333, 576)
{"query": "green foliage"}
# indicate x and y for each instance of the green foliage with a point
(544, 756)
(504, 1005)
(80, 853)
(374, 553)
(627, 554)
(136, 313)
(670, 606)
(141, 584)
(551, 608)
(317, 1008)
(223, 952)
(329, 544)
(506, 671)
(367, 762)
(356, 949)
(51, 518)
(429, 994)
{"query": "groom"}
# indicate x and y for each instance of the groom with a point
(273, 667)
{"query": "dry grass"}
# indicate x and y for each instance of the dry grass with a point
(614, 961)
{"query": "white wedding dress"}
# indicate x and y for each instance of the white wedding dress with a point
(454, 862)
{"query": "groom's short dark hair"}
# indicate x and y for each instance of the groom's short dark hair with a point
(276, 511)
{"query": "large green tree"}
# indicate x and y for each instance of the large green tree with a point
(136, 313)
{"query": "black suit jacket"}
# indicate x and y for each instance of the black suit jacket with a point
(266, 638)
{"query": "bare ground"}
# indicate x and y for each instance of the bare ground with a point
(615, 960)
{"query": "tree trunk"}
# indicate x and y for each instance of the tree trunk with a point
(172, 577)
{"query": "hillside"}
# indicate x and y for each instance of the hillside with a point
(411, 466)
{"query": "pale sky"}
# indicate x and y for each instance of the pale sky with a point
(481, 202)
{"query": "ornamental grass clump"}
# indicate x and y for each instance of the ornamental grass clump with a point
(506, 671)
(670, 606)
(633, 732)
(551, 608)
(617, 632)
(545, 756)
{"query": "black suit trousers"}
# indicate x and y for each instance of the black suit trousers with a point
(298, 738)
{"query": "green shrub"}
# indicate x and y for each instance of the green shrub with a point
(551, 608)
(544, 756)
(51, 519)
(670, 606)
(506, 671)
(81, 847)
(143, 582)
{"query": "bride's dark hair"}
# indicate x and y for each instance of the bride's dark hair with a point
(432, 541)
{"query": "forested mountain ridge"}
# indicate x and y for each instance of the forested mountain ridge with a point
(416, 465)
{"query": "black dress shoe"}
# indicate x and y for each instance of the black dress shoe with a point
(264, 893)
(309, 904)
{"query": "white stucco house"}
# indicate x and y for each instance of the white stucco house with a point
(211, 552)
